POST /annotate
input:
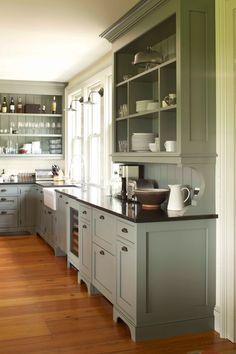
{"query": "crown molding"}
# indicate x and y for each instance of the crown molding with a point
(134, 15)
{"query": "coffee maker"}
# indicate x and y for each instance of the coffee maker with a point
(129, 173)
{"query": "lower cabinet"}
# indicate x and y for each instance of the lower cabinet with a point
(61, 225)
(27, 212)
(126, 278)
(72, 212)
(104, 272)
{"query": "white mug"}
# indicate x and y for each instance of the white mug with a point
(170, 145)
(170, 99)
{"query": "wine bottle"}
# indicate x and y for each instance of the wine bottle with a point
(19, 106)
(54, 105)
(4, 105)
(12, 106)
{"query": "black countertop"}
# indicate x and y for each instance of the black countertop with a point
(94, 196)
(97, 197)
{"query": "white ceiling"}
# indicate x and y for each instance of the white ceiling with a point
(53, 40)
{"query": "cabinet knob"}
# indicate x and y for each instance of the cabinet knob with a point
(102, 217)
(3, 190)
(102, 253)
(67, 203)
(41, 192)
(60, 196)
(124, 249)
(84, 212)
(84, 226)
(124, 230)
(3, 199)
(49, 212)
(3, 212)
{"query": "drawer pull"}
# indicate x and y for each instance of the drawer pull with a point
(3, 212)
(102, 217)
(67, 203)
(84, 212)
(102, 253)
(60, 196)
(124, 249)
(84, 226)
(3, 190)
(3, 199)
(124, 230)
(49, 212)
(41, 192)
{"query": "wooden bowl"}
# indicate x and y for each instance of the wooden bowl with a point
(151, 198)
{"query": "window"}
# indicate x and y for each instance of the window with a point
(89, 132)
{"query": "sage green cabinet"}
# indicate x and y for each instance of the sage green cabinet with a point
(61, 224)
(28, 206)
(85, 244)
(181, 31)
(8, 208)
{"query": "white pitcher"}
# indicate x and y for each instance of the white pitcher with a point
(176, 198)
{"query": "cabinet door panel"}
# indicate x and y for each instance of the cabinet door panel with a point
(104, 230)
(126, 278)
(103, 272)
(85, 248)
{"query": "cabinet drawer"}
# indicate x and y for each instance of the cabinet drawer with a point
(85, 212)
(104, 230)
(8, 190)
(8, 203)
(126, 231)
(8, 218)
(103, 272)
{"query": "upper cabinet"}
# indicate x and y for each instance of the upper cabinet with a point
(164, 82)
(34, 125)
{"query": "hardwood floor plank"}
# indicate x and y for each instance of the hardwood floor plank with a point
(43, 310)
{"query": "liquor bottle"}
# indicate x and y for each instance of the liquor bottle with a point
(54, 105)
(4, 105)
(19, 106)
(12, 106)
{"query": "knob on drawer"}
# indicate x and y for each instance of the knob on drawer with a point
(84, 226)
(3, 190)
(102, 217)
(124, 248)
(3, 212)
(124, 230)
(84, 212)
(102, 253)
(3, 199)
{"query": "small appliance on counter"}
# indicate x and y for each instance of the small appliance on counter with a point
(129, 174)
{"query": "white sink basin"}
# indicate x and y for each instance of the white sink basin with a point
(49, 197)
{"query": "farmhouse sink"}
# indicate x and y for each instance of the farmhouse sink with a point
(49, 196)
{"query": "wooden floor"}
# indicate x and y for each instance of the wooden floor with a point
(44, 311)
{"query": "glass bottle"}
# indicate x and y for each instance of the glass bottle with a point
(54, 105)
(19, 106)
(12, 106)
(4, 105)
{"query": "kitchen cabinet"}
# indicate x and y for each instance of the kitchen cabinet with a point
(103, 259)
(27, 212)
(49, 226)
(8, 208)
(126, 270)
(85, 245)
(40, 133)
(180, 30)
(165, 276)
(61, 224)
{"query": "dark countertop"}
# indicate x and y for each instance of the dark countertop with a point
(96, 197)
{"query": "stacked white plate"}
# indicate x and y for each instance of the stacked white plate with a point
(142, 105)
(140, 141)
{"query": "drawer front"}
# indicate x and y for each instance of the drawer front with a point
(104, 272)
(8, 218)
(8, 190)
(104, 230)
(85, 212)
(126, 231)
(8, 202)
